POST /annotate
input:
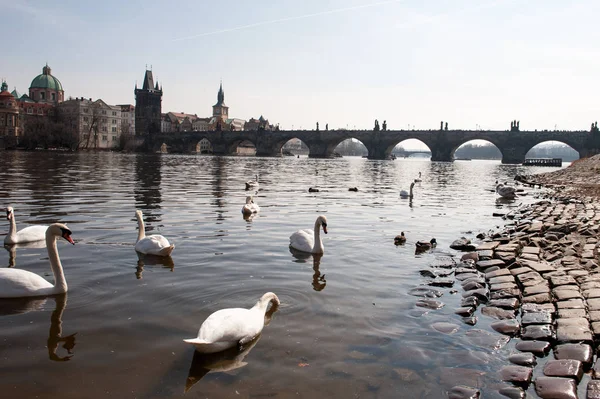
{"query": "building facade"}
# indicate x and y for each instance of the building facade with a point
(148, 105)
(9, 115)
(46, 88)
(127, 118)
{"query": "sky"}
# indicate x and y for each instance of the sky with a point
(345, 63)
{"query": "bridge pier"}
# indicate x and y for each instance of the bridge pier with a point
(513, 155)
(441, 154)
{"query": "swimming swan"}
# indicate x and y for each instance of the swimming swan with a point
(250, 206)
(404, 194)
(154, 244)
(28, 234)
(18, 283)
(226, 328)
(418, 180)
(505, 191)
(310, 240)
(250, 184)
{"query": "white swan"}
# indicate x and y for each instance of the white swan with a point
(234, 326)
(18, 283)
(310, 240)
(505, 191)
(250, 206)
(404, 194)
(252, 184)
(418, 179)
(154, 244)
(28, 234)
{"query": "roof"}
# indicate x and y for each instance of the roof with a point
(46, 81)
(6, 94)
(15, 93)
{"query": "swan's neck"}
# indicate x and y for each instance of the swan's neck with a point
(141, 228)
(60, 284)
(263, 303)
(318, 243)
(12, 229)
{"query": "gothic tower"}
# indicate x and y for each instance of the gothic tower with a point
(148, 104)
(220, 110)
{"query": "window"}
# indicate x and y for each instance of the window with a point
(85, 110)
(30, 111)
(114, 129)
(103, 120)
(114, 113)
(42, 95)
(104, 138)
(114, 121)
(104, 128)
(40, 111)
(114, 138)
(53, 96)
(103, 112)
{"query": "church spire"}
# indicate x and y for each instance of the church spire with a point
(221, 95)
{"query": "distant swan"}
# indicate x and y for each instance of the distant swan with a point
(28, 234)
(250, 206)
(400, 239)
(418, 179)
(310, 240)
(154, 244)
(252, 184)
(505, 191)
(226, 328)
(18, 283)
(404, 194)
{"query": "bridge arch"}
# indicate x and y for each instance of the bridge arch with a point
(477, 149)
(351, 147)
(409, 147)
(293, 146)
(553, 149)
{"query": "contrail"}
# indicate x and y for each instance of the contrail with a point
(316, 14)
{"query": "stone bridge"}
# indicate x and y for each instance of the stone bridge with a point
(512, 144)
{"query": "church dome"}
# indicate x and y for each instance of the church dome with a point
(46, 81)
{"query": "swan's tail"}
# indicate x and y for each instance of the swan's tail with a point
(167, 251)
(200, 344)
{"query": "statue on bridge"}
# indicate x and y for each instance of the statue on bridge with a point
(594, 127)
(376, 128)
(446, 127)
(514, 126)
(384, 126)
(442, 125)
(327, 126)
(317, 126)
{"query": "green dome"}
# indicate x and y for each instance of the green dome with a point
(46, 81)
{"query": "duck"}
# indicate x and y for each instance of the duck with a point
(154, 244)
(18, 283)
(355, 189)
(404, 194)
(250, 206)
(310, 240)
(28, 234)
(424, 245)
(252, 184)
(313, 190)
(505, 191)
(227, 328)
(400, 239)
(418, 180)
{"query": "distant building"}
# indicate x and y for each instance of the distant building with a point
(46, 88)
(148, 104)
(258, 124)
(97, 123)
(220, 110)
(9, 114)
(127, 118)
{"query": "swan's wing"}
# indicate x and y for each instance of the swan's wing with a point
(18, 283)
(32, 233)
(303, 240)
(229, 325)
(152, 244)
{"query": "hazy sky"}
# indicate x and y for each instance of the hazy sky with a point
(342, 62)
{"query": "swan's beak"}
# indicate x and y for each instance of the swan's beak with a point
(325, 228)
(67, 237)
(8, 215)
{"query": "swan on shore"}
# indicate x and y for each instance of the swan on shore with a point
(310, 240)
(154, 244)
(252, 184)
(250, 206)
(227, 328)
(405, 194)
(505, 191)
(18, 283)
(28, 234)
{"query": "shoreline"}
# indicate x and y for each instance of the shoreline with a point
(539, 277)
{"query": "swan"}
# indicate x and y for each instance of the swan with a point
(226, 328)
(310, 240)
(418, 179)
(28, 234)
(250, 184)
(250, 206)
(18, 283)
(404, 194)
(154, 244)
(424, 245)
(400, 239)
(505, 191)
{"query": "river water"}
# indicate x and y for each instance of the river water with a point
(347, 326)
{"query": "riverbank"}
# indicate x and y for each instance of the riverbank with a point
(539, 277)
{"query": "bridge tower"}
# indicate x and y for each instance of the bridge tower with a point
(220, 110)
(148, 106)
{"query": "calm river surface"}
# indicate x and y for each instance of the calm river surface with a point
(346, 328)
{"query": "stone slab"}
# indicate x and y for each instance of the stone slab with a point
(568, 368)
(581, 352)
(556, 387)
(531, 250)
(487, 245)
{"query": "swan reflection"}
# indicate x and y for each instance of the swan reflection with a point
(318, 280)
(152, 260)
(23, 305)
(12, 250)
(227, 360)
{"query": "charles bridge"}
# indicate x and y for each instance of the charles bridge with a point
(513, 144)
